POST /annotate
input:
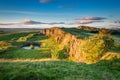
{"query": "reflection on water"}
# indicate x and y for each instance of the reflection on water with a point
(28, 47)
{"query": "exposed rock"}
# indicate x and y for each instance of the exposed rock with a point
(69, 40)
(87, 28)
(66, 39)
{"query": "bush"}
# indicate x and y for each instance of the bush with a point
(57, 50)
(95, 47)
(54, 52)
(59, 54)
(63, 54)
(22, 39)
(4, 45)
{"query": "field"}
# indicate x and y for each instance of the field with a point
(59, 70)
(17, 63)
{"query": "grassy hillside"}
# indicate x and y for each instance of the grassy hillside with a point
(84, 34)
(21, 64)
(79, 33)
(16, 52)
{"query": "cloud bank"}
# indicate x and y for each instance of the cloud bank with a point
(27, 21)
(31, 22)
(88, 20)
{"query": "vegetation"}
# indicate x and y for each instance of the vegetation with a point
(13, 36)
(30, 66)
(16, 52)
(19, 53)
(56, 50)
(22, 39)
(4, 45)
(83, 34)
(96, 46)
(60, 70)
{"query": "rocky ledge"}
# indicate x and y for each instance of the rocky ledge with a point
(67, 39)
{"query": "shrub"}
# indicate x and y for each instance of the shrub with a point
(53, 46)
(96, 46)
(4, 45)
(63, 54)
(57, 50)
(54, 52)
(22, 39)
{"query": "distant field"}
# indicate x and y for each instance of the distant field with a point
(17, 29)
(15, 52)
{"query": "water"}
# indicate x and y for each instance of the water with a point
(28, 47)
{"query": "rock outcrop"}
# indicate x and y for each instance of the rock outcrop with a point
(66, 39)
(72, 42)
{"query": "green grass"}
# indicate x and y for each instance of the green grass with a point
(85, 34)
(10, 36)
(117, 38)
(79, 33)
(52, 70)
(117, 42)
(19, 53)
(114, 49)
(15, 52)
(59, 70)
(37, 38)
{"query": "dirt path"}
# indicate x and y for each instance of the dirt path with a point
(27, 60)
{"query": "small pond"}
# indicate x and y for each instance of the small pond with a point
(31, 45)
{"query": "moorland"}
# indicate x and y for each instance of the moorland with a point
(81, 53)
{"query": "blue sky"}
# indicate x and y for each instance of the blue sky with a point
(61, 13)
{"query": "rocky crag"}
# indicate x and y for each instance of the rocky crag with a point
(67, 39)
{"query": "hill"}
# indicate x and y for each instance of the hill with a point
(70, 41)
(58, 56)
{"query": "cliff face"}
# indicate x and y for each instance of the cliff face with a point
(74, 44)
(66, 39)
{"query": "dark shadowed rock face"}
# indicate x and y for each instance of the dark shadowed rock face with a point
(66, 39)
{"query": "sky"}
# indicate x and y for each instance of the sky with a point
(59, 13)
